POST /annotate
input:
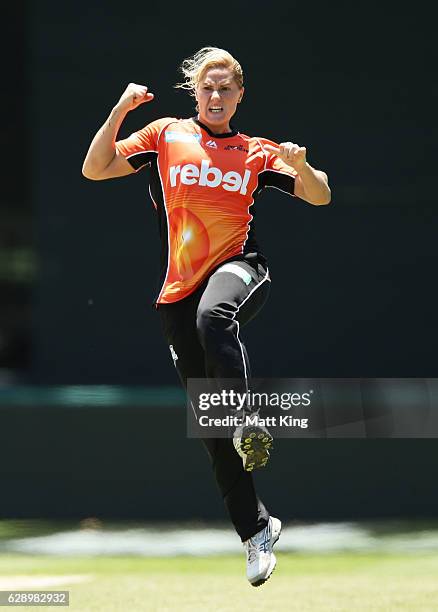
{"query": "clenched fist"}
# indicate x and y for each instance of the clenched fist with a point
(291, 153)
(133, 96)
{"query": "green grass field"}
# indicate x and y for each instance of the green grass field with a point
(341, 582)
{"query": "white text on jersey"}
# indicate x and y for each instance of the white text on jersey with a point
(209, 177)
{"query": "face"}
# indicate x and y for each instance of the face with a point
(218, 94)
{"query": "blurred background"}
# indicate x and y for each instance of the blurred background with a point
(88, 391)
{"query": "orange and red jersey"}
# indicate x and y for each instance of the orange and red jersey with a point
(202, 185)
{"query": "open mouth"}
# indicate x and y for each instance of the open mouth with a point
(216, 109)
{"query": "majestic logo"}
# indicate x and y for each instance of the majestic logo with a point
(236, 148)
(212, 144)
(181, 137)
(189, 174)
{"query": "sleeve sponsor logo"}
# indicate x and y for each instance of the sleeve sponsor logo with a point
(209, 176)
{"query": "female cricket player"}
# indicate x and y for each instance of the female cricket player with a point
(204, 178)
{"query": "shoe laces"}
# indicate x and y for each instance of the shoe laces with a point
(252, 551)
(258, 544)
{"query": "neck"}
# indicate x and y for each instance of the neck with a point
(216, 128)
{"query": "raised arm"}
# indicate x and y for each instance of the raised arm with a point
(310, 185)
(102, 160)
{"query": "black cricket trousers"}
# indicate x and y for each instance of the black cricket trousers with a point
(203, 334)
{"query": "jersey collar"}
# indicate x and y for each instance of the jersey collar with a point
(210, 133)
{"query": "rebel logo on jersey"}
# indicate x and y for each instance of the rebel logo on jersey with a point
(209, 176)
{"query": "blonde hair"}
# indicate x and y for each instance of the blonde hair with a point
(193, 68)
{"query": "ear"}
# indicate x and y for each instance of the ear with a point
(241, 95)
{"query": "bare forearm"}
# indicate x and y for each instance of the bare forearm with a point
(311, 185)
(102, 148)
(314, 184)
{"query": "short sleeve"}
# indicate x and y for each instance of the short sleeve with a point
(142, 146)
(276, 172)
